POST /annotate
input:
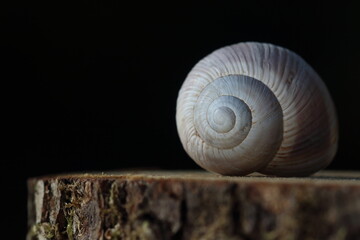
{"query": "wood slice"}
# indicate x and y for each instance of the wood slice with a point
(193, 205)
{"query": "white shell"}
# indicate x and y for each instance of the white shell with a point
(256, 107)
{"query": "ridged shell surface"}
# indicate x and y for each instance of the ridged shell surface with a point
(256, 107)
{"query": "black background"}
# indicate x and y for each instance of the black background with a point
(93, 84)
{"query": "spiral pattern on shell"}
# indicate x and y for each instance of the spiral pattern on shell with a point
(256, 107)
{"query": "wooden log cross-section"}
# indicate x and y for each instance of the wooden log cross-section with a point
(193, 205)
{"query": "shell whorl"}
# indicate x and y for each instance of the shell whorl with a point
(256, 107)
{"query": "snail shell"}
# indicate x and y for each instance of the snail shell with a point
(256, 107)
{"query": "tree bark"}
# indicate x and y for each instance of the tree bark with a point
(193, 205)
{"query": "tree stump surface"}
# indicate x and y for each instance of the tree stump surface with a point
(193, 205)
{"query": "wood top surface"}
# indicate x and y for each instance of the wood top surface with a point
(322, 177)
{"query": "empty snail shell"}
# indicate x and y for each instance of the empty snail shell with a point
(256, 107)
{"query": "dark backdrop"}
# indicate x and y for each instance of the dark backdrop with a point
(93, 84)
